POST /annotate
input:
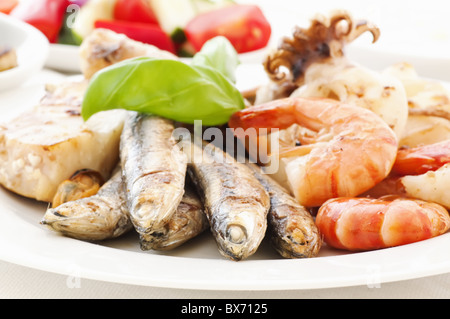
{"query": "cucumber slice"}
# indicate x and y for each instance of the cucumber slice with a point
(202, 6)
(173, 14)
(92, 11)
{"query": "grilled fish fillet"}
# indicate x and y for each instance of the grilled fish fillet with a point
(235, 202)
(104, 47)
(292, 230)
(47, 144)
(154, 171)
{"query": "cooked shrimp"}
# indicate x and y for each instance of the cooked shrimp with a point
(421, 159)
(358, 224)
(421, 172)
(431, 186)
(350, 151)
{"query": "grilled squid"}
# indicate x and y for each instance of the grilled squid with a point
(312, 63)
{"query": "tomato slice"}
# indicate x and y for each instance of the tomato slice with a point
(45, 15)
(6, 6)
(134, 11)
(245, 26)
(142, 32)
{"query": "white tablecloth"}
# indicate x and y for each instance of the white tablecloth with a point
(417, 22)
(22, 282)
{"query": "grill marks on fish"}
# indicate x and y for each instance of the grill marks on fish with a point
(154, 171)
(106, 216)
(235, 203)
(292, 229)
(188, 222)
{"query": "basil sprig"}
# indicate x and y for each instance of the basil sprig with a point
(169, 88)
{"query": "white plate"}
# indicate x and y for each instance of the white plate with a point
(198, 264)
(31, 47)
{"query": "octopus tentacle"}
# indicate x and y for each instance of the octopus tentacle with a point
(324, 39)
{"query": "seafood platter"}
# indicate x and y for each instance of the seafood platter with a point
(157, 170)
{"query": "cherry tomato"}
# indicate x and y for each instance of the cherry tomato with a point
(245, 26)
(142, 32)
(45, 15)
(134, 11)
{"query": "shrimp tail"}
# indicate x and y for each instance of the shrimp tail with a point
(276, 114)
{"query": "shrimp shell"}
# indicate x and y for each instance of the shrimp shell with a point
(358, 224)
(351, 151)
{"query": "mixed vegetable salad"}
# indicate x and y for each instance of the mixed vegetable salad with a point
(179, 26)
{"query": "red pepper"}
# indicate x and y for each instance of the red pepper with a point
(6, 6)
(134, 11)
(45, 15)
(143, 32)
(245, 26)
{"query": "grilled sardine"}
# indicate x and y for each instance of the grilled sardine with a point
(46, 145)
(292, 230)
(154, 171)
(188, 221)
(98, 217)
(105, 216)
(235, 202)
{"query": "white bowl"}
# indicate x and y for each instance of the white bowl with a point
(64, 58)
(31, 47)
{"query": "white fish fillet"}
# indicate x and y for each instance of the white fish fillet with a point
(44, 146)
(104, 47)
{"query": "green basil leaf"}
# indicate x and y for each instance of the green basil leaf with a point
(219, 54)
(168, 88)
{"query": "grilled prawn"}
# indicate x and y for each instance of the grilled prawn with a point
(421, 172)
(348, 149)
(154, 171)
(368, 223)
(235, 202)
